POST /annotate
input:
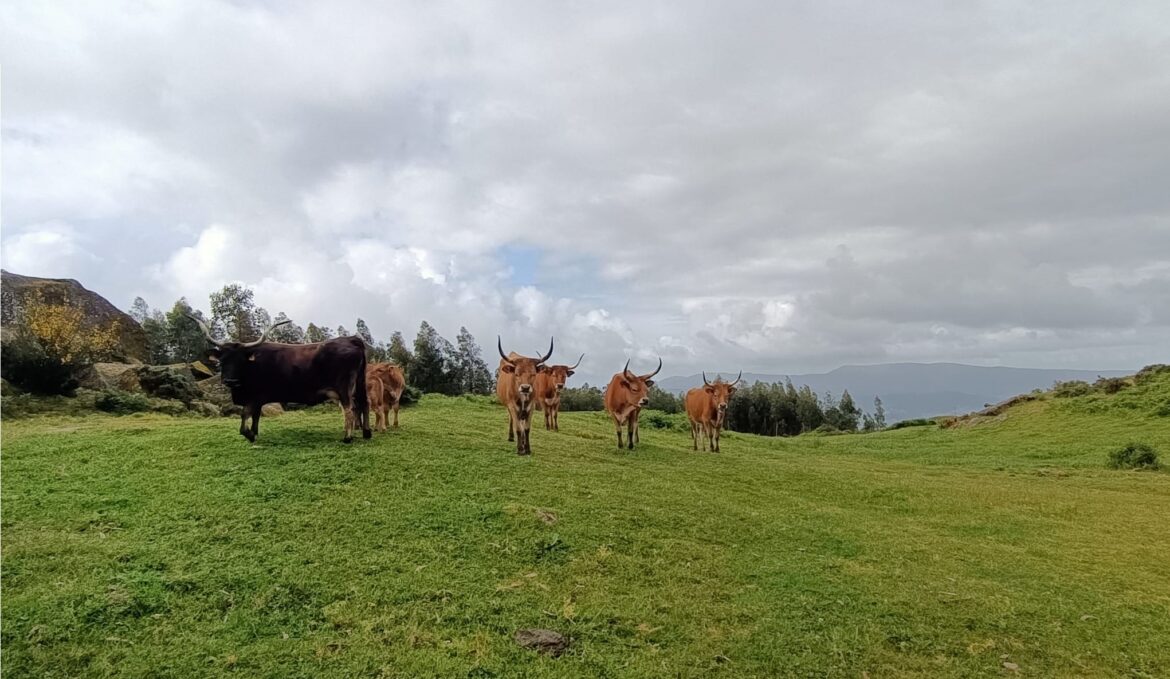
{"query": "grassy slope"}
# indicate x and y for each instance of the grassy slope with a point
(169, 547)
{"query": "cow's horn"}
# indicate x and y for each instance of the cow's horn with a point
(574, 366)
(705, 379)
(500, 347)
(737, 378)
(626, 370)
(549, 354)
(204, 328)
(264, 335)
(646, 377)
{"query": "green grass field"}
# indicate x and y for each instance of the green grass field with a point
(158, 546)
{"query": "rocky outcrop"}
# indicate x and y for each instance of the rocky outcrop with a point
(16, 291)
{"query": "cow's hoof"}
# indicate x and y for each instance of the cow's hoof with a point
(347, 439)
(251, 439)
(366, 433)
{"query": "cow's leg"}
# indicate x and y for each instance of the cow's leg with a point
(617, 425)
(523, 431)
(711, 437)
(637, 436)
(244, 431)
(631, 424)
(694, 437)
(395, 409)
(347, 409)
(556, 417)
(256, 410)
(717, 430)
(511, 426)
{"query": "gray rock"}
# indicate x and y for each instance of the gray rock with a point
(542, 640)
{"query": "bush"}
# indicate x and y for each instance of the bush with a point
(1110, 385)
(121, 402)
(1071, 388)
(1134, 456)
(28, 366)
(1151, 372)
(920, 422)
(410, 395)
(656, 419)
(169, 384)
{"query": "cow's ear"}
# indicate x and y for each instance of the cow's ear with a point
(508, 368)
(709, 390)
(252, 357)
(730, 391)
(649, 383)
(213, 357)
(569, 374)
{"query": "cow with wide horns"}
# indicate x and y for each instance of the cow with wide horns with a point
(625, 397)
(707, 409)
(263, 372)
(515, 387)
(549, 385)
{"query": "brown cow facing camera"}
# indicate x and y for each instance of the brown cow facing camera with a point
(549, 385)
(515, 387)
(707, 408)
(385, 384)
(625, 397)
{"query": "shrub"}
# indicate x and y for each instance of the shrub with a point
(1151, 372)
(121, 402)
(1110, 385)
(920, 422)
(27, 365)
(656, 419)
(1071, 389)
(169, 384)
(1134, 456)
(410, 395)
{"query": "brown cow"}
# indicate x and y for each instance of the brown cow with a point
(385, 383)
(706, 408)
(514, 388)
(625, 397)
(549, 385)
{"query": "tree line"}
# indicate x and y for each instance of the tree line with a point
(765, 409)
(432, 364)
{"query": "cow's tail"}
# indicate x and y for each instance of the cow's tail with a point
(362, 397)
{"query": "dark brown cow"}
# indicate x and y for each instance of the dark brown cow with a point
(625, 397)
(263, 372)
(706, 407)
(514, 388)
(384, 384)
(549, 385)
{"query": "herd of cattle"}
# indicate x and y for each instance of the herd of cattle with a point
(261, 372)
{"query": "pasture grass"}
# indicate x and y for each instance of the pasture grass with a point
(168, 547)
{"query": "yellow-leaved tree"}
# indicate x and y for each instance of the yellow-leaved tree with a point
(64, 334)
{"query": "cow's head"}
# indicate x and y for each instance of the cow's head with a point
(233, 357)
(720, 391)
(558, 374)
(638, 387)
(523, 369)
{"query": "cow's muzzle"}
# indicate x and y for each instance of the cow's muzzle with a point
(525, 388)
(722, 407)
(231, 384)
(560, 387)
(644, 402)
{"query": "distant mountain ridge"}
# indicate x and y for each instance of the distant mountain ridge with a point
(911, 390)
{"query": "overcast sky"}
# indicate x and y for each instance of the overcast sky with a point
(778, 186)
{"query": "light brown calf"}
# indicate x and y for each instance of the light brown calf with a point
(549, 385)
(385, 383)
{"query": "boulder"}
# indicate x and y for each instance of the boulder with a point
(200, 371)
(168, 382)
(205, 409)
(16, 291)
(271, 410)
(100, 376)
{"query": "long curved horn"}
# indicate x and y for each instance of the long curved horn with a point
(626, 371)
(264, 335)
(705, 379)
(549, 354)
(500, 347)
(737, 378)
(205, 329)
(574, 366)
(659, 369)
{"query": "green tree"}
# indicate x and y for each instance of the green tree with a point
(663, 400)
(879, 413)
(317, 333)
(473, 376)
(185, 340)
(232, 310)
(342, 332)
(290, 333)
(139, 310)
(426, 367)
(398, 352)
